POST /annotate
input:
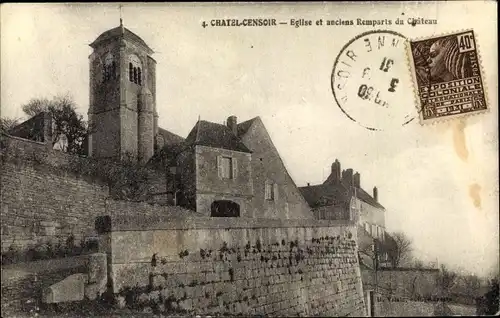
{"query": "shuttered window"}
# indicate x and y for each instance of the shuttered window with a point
(228, 167)
(269, 193)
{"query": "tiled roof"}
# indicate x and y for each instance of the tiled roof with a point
(117, 32)
(360, 192)
(214, 135)
(365, 197)
(334, 193)
(244, 126)
(169, 137)
(325, 195)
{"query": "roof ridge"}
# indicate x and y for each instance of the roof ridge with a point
(196, 140)
(170, 132)
(249, 120)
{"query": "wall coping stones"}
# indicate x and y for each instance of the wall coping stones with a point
(407, 269)
(106, 224)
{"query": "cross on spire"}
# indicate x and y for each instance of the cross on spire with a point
(121, 20)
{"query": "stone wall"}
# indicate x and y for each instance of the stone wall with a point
(233, 266)
(210, 186)
(408, 283)
(37, 128)
(387, 308)
(41, 201)
(331, 212)
(373, 216)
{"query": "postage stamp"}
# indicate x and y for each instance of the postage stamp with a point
(370, 81)
(447, 75)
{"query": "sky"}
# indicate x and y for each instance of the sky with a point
(439, 182)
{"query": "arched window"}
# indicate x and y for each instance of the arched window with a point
(108, 67)
(113, 70)
(106, 72)
(135, 69)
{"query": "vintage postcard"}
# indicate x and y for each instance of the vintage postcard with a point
(249, 159)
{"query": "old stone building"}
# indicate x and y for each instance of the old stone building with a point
(218, 170)
(122, 106)
(232, 170)
(341, 197)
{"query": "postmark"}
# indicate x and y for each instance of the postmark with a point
(447, 75)
(371, 83)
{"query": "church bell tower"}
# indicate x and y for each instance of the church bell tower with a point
(122, 109)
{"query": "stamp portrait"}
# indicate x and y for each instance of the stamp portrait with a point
(447, 75)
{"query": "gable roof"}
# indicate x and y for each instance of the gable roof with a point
(365, 197)
(325, 195)
(334, 193)
(360, 192)
(209, 134)
(169, 138)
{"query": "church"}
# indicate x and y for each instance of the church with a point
(217, 170)
(230, 170)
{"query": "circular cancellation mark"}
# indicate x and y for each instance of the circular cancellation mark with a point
(371, 81)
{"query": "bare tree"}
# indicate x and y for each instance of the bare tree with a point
(399, 247)
(66, 120)
(35, 106)
(446, 280)
(6, 124)
(471, 284)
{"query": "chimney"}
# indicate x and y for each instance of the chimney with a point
(375, 193)
(357, 180)
(347, 177)
(336, 170)
(232, 123)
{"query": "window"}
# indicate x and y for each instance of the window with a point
(135, 69)
(269, 191)
(227, 167)
(113, 70)
(109, 67)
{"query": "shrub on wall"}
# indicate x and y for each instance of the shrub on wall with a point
(48, 250)
(127, 179)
